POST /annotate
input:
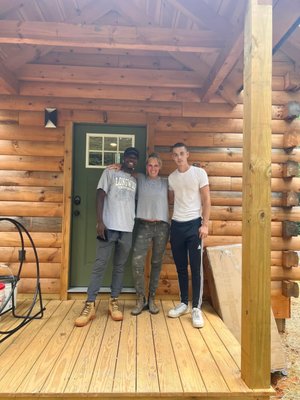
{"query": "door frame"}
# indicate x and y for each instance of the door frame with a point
(150, 121)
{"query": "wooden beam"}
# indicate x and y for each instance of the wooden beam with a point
(224, 64)
(109, 76)
(144, 93)
(285, 14)
(8, 81)
(109, 37)
(87, 15)
(255, 361)
(203, 14)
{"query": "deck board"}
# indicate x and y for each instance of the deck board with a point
(147, 355)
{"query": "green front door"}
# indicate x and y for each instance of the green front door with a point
(96, 146)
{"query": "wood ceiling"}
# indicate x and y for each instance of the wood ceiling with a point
(125, 47)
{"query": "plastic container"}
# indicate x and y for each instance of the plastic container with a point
(9, 281)
(2, 295)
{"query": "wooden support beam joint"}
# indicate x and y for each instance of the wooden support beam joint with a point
(290, 199)
(291, 82)
(289, 228)
(290, 289)
(290, 169)
(291, 139)
(291, 111)
(290, 259)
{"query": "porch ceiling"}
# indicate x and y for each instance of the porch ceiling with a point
(193, 45)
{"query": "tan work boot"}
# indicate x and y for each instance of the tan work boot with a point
(87, 314)
(153, 309)
(140, 305)
(113, 309)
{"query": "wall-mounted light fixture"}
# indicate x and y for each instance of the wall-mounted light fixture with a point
(50, 117)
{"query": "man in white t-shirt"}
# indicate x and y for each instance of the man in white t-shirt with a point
(189, 190)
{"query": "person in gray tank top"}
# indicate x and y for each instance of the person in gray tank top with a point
(152, 229)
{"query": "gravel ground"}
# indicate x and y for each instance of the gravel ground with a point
(288, 387)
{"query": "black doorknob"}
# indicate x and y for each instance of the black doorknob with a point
(76, 213)
(77, 200)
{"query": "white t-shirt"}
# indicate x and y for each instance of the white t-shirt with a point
(186, 186)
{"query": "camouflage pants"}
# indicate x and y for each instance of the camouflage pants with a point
(157, 234)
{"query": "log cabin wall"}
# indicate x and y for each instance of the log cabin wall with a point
(32, 179)
(111, 85)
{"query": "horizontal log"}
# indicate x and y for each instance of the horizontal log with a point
(48, 285)
(203, 154)
(29, 163)
(66, 106)
(27, 193)
(107, 117)
(30, 148)
(33, 224)
(218, 125)
(106, 92)
(40, 239)
(11, 255)
(277, 243)
(208, 139)
(29, 270)
(9, 117)
(230, 198)
(234, 228)
(31, 133)
(202, 110)
(222, 168)
(109, 76)
(281, 274)
(31, 178)
(235, 184)
(115, 37)
(235, 214)
(31, 209)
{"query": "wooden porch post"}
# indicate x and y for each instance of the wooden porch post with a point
(255, 362)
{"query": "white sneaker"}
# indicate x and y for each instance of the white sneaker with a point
(178, 310)
(197, 319)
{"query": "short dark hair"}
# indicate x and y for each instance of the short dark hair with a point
(179, 144)
(131, 151)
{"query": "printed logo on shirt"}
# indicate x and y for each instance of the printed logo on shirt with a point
(125, 183)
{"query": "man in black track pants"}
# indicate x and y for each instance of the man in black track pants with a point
(189, 190)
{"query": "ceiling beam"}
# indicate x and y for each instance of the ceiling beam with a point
(8, 81)
(109, 76)
(201, 13)
(224, 64)
(109, 37)
(86, 15)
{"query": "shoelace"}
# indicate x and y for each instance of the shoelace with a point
(86, 309)
(115, 306)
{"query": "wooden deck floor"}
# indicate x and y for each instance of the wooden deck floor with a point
(149, 356)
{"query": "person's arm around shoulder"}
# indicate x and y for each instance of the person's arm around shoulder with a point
(100, 196)
(205, 200)
(170, 197)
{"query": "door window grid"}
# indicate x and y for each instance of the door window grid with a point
(103, 149)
